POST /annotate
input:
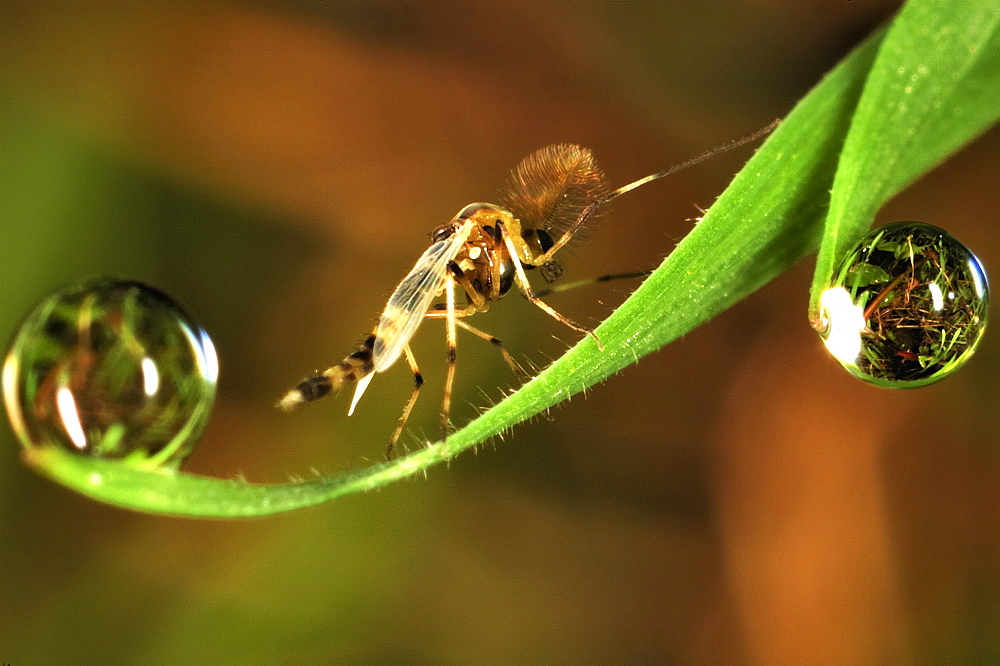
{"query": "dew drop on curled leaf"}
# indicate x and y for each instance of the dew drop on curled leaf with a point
(907, 307)
(111, 369)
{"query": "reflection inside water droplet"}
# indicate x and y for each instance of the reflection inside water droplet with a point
(907, 308)
(113, 369)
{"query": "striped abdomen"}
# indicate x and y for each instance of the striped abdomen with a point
(353, 368)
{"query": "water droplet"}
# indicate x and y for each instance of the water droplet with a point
(907, 307)
(112, 369)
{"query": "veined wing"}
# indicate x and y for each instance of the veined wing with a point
(409, 303)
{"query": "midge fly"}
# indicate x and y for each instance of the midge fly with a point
(483, 252)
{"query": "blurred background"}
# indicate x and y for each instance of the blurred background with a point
(276, 167)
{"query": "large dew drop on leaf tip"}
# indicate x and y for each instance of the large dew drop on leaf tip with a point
(908, 306)
(112, 369)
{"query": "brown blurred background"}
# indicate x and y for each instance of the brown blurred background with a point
(276, 167)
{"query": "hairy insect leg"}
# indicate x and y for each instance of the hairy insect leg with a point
(418, 381)
(449, 290)
(514, 365)
(525, 286)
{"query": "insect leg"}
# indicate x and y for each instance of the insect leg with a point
(590, 281)
(418, 381)
(514, 365)
(440, 310)
(449, 290)
(589, 211)
(522, 282)
(585, 215)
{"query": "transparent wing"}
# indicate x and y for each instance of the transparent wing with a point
(409, 303)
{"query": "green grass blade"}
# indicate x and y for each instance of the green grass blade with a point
(934, 86)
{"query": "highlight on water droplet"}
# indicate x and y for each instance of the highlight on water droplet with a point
(907, 307)
(112, 369)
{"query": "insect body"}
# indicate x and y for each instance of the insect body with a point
(483, 252)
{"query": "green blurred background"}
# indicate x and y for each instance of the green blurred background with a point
(276, 167)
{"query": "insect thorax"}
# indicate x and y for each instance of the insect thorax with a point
(483, 267)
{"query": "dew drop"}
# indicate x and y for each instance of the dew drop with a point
(907, 307)
(112, 369)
